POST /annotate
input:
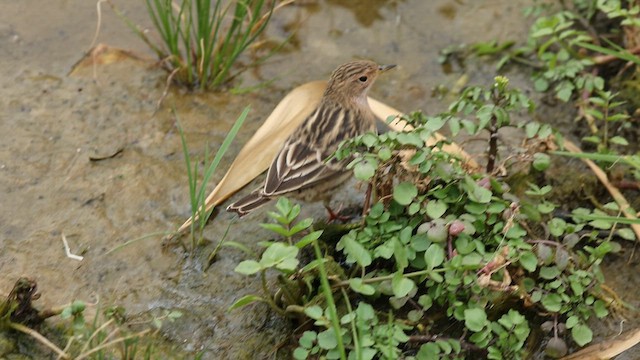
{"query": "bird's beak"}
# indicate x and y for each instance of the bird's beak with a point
(383, 68)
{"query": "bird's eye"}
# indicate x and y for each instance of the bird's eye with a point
(362, 78)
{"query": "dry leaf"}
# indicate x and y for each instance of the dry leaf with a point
(607, 349)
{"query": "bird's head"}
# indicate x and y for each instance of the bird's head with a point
(351, 81)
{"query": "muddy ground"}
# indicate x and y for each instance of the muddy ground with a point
(52, 125)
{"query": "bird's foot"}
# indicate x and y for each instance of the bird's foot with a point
(335, 215)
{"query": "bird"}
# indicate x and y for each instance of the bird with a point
(303, 168)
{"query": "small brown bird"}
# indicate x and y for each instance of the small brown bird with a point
(301, 169)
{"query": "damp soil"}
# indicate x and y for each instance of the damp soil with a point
(90, 156)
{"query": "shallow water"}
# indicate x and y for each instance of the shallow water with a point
(52, 124)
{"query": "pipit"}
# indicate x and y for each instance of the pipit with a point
(301, 169)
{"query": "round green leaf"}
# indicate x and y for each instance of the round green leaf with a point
(436, 208)
(401, 285)
(529, 261)
(364, 170)
(404, 193)
(327, 339)
(434, 256)
(541, 161)
(581, 334)
(300, 353)
(475, 319)
(314, 312)
(552, 302)
(359, 286)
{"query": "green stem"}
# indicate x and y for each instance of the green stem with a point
(331, 305)
(354, 329)
(390, 277)
(265, 288)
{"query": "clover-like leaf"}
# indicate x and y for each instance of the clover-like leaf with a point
(581, 334)
(357, 285)
(404, 193)
(401, 285)
(434, 256)
(475, 319)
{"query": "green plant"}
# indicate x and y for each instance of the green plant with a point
(203, 39)
(603, 109)
(197, 194)
(446, 263)
(563, 50)
(107, 335)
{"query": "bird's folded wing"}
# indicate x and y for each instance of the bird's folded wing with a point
(298, 166)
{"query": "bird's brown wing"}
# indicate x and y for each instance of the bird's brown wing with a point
(298, 166)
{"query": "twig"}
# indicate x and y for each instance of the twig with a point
(615, 193)
(111, 343)
(36, 335)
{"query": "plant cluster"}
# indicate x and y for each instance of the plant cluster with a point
(107, 336)
(203, 39)
(447, 263)
(583, 51)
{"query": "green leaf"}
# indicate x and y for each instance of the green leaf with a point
(404, 193)
(626, 234)
(581, 334)
(475, 319)
(619, 140)
(300, 353)
(541, 161)
(248, 267)
(276, 228)
(384, 153)
(600, 309)
(428, 351)
(327, 339)
(357, 285)
(476, 192)
(472, 259)
(541, 85)
(281, 256)
(315, 312)
(552, 302)
(572, 321)
(410, 138)
(307, 339)
(301, 225)
(436, 208)
(425, 301)
(529, 261)
(308, 239)
(400, 254)
(245, 300)
(401, 285)
(434, 256)
(557, 226)
(549, 272)
(364, 170)
(531, 129)
(354, 250)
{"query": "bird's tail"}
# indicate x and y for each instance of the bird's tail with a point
(249, 203)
